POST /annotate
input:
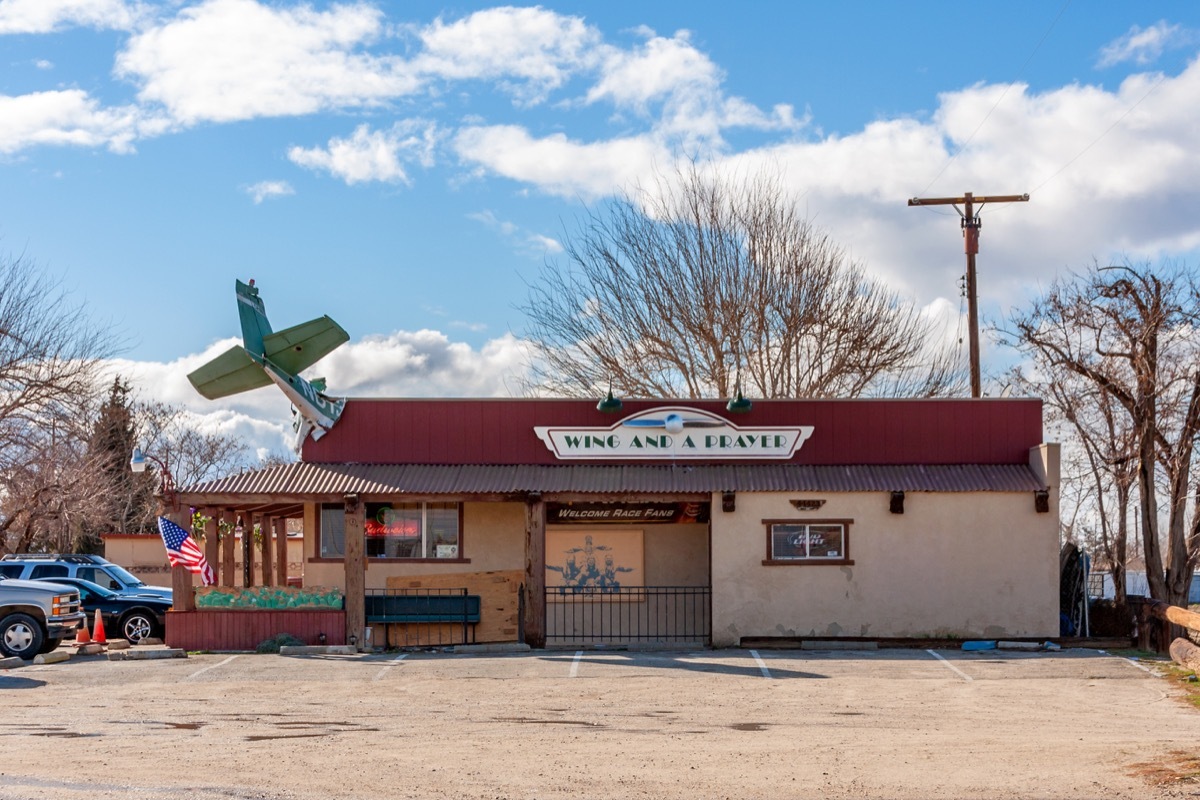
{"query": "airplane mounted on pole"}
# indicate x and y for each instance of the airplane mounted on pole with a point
(266, 357)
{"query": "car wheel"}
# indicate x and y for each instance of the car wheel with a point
(21, 636)
(138, 625)
(50, 645)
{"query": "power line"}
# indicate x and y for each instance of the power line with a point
(1000, 99)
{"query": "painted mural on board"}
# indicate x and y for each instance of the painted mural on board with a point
(596, 562)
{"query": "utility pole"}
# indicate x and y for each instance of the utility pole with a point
(970, 229)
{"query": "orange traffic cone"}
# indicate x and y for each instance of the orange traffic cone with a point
(99, 638)
(81, 633)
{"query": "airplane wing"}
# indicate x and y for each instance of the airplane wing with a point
(300, 346)
(229, 373)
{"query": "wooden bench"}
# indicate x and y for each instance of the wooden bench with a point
(409, 609)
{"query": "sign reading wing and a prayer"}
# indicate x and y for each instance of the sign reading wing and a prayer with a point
(674, 433)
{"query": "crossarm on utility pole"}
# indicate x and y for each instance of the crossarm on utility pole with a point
(970, 226)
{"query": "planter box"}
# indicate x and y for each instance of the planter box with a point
(244, 629)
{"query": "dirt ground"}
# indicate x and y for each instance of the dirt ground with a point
(599, 724)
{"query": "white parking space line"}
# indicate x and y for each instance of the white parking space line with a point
(1132, 661)
(575, 664)
(394, 662)
(210, 666)
(958, 671)
(762, 665)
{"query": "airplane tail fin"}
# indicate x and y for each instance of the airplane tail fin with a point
(229, 373)
(255, 326)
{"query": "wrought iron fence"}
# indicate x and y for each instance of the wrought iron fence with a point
(647, 614)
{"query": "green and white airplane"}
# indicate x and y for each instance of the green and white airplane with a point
(266, 357)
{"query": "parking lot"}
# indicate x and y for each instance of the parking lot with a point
(704, 724)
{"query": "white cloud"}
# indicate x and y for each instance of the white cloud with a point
(401, 364)
(264, 189)
(372, 155)
(530, 244)
(66, 117)
(45, 16)
(558, 165)
(226, 60)
(43, 64)
(426, 363)
(1144, 45)
(530, 51)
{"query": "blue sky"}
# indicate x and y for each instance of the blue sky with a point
(406, 167)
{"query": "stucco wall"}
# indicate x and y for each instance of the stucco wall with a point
(493, 539)
(952, 565)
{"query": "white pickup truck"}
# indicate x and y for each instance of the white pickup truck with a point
(35, 616)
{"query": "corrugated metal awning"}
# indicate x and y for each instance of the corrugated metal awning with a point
(311, 481)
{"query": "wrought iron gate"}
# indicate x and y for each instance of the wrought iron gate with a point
(628, 615)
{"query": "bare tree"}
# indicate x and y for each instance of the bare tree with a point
(50, 354)
(1100, 443)
(1133, 333)
(192, 455)
(700, 286)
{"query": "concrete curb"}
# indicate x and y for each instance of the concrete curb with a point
(498, 647)
(835, 645)
(318, 650)
(56, 657)
(11, 663)
(147, 655)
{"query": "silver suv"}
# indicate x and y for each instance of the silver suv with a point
(100, 571)
(35, 617)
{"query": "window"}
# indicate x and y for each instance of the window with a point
(396, 530)
(98, 577)
(44, 571)
(333, 531)
(816, 542)
(11, 570)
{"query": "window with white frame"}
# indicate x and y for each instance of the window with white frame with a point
(815, 542)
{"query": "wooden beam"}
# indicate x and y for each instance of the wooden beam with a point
(1186, 654)
(212, 541)
(356, 571)
(247, 550)
(267, 547)
(281, 552)
(1175, 614)
(535, 571)
(228, 561)
(183, 596)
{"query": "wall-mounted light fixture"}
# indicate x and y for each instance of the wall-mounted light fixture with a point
(897, 504)
(739, 404)
(1041, 501)
(728, 501)
(609, 404)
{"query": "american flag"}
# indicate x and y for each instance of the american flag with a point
(181, 550)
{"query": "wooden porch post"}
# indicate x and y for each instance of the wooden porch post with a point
(535, 571)
(248, 550)
(212, 541)
(227, 556)
(281, 552)
(183, 596)
(356, 575)
(266, 545)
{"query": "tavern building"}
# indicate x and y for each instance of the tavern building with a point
(659, 522)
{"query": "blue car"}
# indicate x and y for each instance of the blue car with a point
(126, 615)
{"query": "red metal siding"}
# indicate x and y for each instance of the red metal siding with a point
(245, 629)
(462, 431)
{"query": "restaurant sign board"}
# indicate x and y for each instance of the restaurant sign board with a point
(674, 433)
